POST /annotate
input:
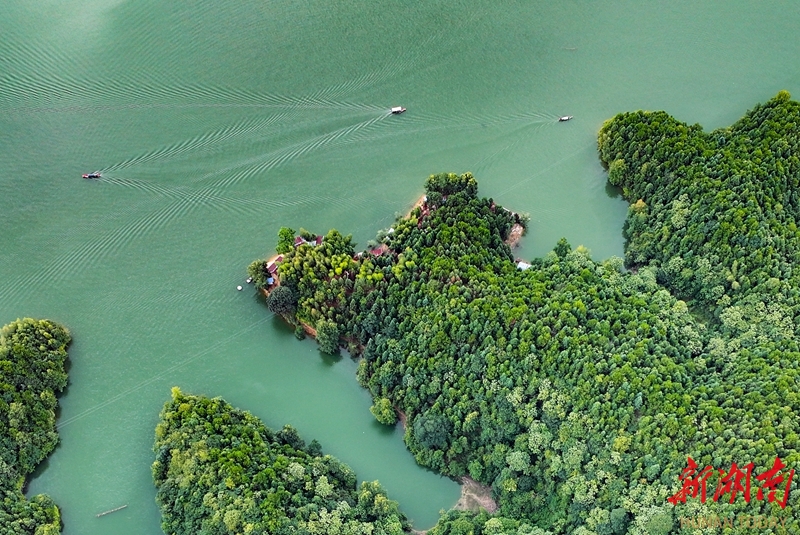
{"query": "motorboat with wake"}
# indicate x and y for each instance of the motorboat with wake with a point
(397, 110)
(564, 119)
(96, 174)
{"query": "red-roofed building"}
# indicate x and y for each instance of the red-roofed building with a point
(379, 250)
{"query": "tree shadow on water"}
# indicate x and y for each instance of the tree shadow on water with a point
(39, 470)
(612, 191)
(383, 429)
(282, 326)
(330, 360)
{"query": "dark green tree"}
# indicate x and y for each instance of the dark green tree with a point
(432, 430)
(282, 300)
(574, 388)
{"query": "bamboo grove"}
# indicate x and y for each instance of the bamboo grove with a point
(32, 358)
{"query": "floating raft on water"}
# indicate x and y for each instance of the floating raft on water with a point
(112, 510)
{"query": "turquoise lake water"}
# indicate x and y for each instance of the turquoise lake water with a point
(216, 123)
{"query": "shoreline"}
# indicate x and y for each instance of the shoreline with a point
(311, 331)
(401, 417)
(417, 204)
(474, 496)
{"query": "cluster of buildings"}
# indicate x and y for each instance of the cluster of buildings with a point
(272, 267)
(299, 240)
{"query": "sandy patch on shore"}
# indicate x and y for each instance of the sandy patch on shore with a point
(417, 204)
(475, 496)
(402, 417)
(515, 235)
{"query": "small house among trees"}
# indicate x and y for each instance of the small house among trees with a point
(300, 240)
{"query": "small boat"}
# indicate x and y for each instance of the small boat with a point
(564, 118)
(96, 174)
(249, 280)
(397, 110)
(121, 507)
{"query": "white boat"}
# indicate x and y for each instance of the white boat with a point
(564, 118)
(398, 110)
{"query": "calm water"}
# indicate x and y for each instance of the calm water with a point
(214, 123)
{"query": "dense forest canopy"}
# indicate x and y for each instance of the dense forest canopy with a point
(32, 358)
(219, 470)
(576, 390)
(716, 214)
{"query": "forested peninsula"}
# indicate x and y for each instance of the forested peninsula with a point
(32, 358)
(576, 389)
(220, 470)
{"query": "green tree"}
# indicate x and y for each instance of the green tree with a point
(562, 248)
(285, 240)
(574, 388)
(383, 411)
(616, 171)
(449, 183)
(258, 271)
(432, 430)
(328, 337)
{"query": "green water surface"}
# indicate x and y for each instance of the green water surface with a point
(215, 123)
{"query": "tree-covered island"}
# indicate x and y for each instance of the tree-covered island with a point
(575, 389)
(32, 358)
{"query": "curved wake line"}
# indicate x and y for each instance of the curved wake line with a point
(208, 198)
(555, 164)
(160, 374)
(90, 252)
(145, 186)
(363, 131)
(243, 127)
(283, 155)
